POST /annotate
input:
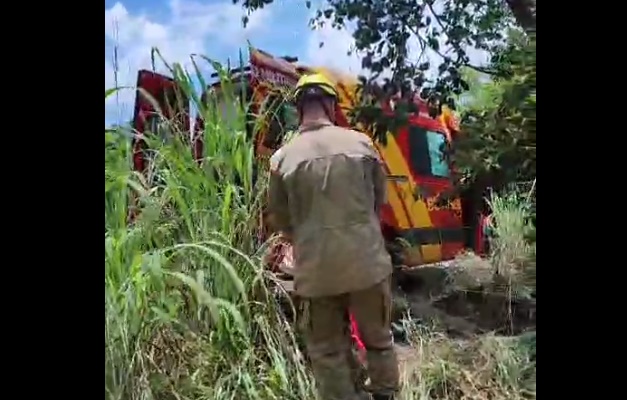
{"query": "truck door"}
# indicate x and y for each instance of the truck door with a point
(425, 143)
(173, 120)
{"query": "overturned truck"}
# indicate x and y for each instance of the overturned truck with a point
(421, 232)
(418, 227)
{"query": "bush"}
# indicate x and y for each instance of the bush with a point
(510, 266)
(513, 248)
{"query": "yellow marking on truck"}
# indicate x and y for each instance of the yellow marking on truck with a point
(417, 214)
(346, 90)
(417, 209)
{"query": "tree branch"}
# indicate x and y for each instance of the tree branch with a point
(525, 13)
(444, 29)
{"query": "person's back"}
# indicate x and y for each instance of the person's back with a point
(326, 188)
(330, 175)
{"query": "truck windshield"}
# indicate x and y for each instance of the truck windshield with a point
(427, 150)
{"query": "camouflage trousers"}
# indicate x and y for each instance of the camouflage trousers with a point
(326, 330)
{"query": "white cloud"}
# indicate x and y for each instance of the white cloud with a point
(334, 52)
(337, 43)
(191, 27)
(338, 50)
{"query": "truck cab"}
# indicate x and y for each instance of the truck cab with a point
(162, 110)
(414, 156)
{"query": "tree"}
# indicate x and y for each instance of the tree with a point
(385, 30)
(499, 123)
(498, 140)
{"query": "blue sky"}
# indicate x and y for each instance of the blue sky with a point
(212, 28)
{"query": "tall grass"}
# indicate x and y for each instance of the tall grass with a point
(513, 247)
(187, 312)
(188, 309)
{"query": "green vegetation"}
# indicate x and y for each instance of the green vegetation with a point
(395, 38)
(499, 117)
(189, 311)
(181, 317)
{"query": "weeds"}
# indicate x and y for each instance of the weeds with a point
(510, 265)
(481, 367)
(181, 321)
(188, 314)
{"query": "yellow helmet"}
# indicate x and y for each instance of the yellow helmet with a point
(315, 85)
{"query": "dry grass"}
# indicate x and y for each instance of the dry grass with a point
(510, 268)
(470, 365)
(482, 367)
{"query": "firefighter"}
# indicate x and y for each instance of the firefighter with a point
(326, 189)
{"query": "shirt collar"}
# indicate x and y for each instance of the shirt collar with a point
(314, 125)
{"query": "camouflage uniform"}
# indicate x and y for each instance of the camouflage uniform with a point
(326, 188)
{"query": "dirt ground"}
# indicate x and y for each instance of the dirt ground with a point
(459, 342)
(407, 357)
(460, 302)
